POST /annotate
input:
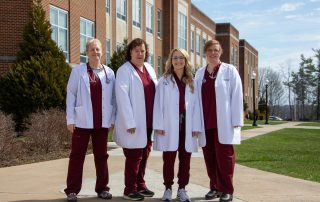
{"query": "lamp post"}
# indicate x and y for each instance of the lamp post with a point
(253, 77)
(267, 83)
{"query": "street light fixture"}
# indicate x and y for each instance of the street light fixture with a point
(267, 83)
(253, 77)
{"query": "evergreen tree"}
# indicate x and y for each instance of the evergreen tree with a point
(118, 57)
(38, 79)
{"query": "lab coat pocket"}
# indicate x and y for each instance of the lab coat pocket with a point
(80, 116)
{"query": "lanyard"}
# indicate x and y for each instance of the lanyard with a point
(105, 72)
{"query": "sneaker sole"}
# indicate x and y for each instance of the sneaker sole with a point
(132, 199)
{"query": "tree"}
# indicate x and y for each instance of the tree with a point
(287, 82)
(317, 72)
(275, 88)
(39, 77)
(118, 57)
(302, 83)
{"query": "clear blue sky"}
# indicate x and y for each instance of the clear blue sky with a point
(281, 30)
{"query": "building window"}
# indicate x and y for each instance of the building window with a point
(159, 66)
(150, 60)
(87, 32)
(192, 42)
(182, 31)
(136, 13)
(236, 57)
(149, 18)
(203, 44)
(159, 33)
(108, 7)
(59, 26)
(108, 51)
(122, 9)
(232, 55)
(198, 44)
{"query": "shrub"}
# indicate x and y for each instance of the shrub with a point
(48, 131)
(8, 143)
(38, 79)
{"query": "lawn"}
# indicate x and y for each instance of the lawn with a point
(291, 152)
(310, 124)
(261, 122)
(249, 127)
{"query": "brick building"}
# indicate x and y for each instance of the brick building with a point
(248, 62)
(164, 24)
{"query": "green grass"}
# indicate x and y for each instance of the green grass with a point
(249, 127)
(261, 122)
(310, 124)
(291, 152)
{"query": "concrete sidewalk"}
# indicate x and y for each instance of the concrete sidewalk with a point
(45, 181)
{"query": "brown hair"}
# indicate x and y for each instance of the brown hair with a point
(210, 43)
(187, 77)
(134, 43)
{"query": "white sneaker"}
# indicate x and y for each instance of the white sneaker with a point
(183, 196)
(167, 195)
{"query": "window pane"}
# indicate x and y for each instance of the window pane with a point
(54, 34)
(82, 27)
(53, 16)
(82, 45)
(63, 21)
(63, 34)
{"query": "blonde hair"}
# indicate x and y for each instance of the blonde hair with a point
(187, 76)
(93, 41)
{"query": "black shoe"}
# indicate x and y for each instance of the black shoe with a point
(226, 197)
(146, 192)
(105, 195)
(72, 197)
(135, 196)
(212, 194)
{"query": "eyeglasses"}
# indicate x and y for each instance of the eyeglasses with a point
(178, 58)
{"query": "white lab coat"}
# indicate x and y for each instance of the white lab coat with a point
(229, 102)
(79, 105)
(166, 117)
(131, 110)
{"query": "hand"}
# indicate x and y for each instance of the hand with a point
(195, 133)
(111, 127)
(71, 127)
(131, 130)
(159, 132)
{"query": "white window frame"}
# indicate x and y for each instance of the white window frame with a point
(136, 13)
(59, 28)
(182, 31)
(108, 7)
(122, 9)
(149, 18)
(198, 44)
(192, 42)
(88, 24)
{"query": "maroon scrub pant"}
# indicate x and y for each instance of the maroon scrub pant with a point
(135, 166)
(169, 158)
(220, 162)
(80, 140)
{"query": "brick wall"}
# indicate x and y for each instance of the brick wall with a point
(14, 15)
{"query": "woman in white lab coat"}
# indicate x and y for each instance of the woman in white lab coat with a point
(135, 90)
(90, 112)
(221, 101)
(176, 121)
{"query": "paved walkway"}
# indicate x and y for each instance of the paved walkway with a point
(45, 181)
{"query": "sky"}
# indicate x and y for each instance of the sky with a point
(281, 30)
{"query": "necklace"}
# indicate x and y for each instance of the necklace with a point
(214, 73)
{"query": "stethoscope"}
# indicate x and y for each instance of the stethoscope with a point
(105, 72)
